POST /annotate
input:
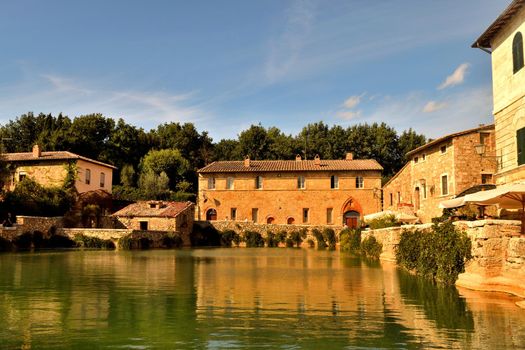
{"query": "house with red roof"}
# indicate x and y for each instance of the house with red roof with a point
(305, 192)
(51, 169)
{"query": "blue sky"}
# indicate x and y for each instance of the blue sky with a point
(225, 65)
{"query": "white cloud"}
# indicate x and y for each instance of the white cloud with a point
(349, 115)
(353, 101)
(285, 50)
(433, 106)
(455, 78)
(51, 93)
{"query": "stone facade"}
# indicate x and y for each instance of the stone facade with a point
(508, 92)
(498, 252)
(239, 227)
(281, 200)
(419, 185)
(158, 216)
(50, 169)
(156, 237)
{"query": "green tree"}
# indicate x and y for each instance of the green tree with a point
(127, 175)
(408, 141)
(169, 161)
(254, 142)
(154, 186)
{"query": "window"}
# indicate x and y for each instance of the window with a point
(517, 52)
(255, 214)
(300, 182)
(424, 156)
(443, 149)
(334, 181)
(102, 179)
(305, 215)
(88, 176)
(211, 183)
(391, 199)
(424, 189)
(444, 185)
(398, 197)
(21, 176)
(359, 182)
(143, 225)
(233, 213)
(416, 159)
(229, 183)
(329, 215)
(259, 182)
(483, 136)
(520, 135)
(486, 178)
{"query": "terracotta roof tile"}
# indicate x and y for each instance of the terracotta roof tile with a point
(290, 165)
(55, 155)
(161, 209)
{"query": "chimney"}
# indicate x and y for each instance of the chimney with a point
(349, 156)
(247, 162)
(317, 160)
(298, 158)
(36, 151)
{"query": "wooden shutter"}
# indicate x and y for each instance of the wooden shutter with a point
(520, 140)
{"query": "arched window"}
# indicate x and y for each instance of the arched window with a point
(211, 214)
(517, 52)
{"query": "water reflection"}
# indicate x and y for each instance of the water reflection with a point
(240, 298)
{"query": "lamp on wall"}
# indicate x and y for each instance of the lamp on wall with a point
(481, 149)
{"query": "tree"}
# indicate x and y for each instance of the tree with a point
(154, 186)
(127, 175)
(254, 143)
(408, 141)
(169, 161)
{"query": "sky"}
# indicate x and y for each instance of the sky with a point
(227, 64)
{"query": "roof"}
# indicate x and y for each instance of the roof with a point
(504, 18)
(450, 136)
(55, 155)
(290, 165)
(161, 209)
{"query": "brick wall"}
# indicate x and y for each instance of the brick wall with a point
(281, 200)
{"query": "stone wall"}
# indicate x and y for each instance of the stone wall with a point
(240, 227)
(498, 252)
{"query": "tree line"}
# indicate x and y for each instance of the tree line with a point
(161, 163)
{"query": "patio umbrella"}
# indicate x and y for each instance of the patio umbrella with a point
(508, 197)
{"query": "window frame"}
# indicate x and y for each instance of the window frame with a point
(258, 182)
(230, 183)
(359, 182)
(520, 146)
(306, 215)
(301, 182)
(443, 149)
(334, 182)
(102, 180)
(255, 215)
(233, 214)
(517, 53)
(329, 216)
(212, 183)
(87, 179)
(447, 184)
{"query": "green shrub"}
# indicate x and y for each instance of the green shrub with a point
(350, 240)
(321, 244)
(125, 242)
(23, 241)
(253, 239)
(329, 237)
(227, 237)
(281, 236)
(311, 243)
(5, 245)
(383, 222)
(144, 242)
(371, 248)
(93, 242)
(271, 240)
(205, 235)
(289, 242)
(237, 239)
(297, 237)
(440, 254)
(172, 240)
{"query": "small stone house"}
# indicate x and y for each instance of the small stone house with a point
(441, 169)
(158, 216)
(51, 168)
(503, 40)
(304, 192)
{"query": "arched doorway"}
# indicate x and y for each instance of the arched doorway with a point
(211, 214)
(270, 220)
(351, 219)
(290, 221)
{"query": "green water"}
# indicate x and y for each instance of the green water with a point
(271, 298)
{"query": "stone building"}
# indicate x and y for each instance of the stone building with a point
(503, 39)
(51, 168)
(441, 169)
(158, 216)
(311, 192)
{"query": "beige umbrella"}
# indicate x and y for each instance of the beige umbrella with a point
(508, 197)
